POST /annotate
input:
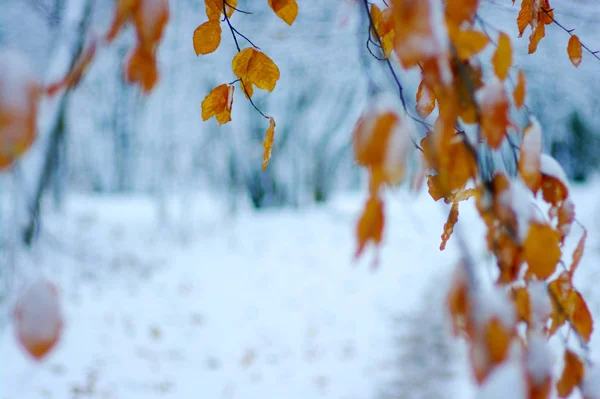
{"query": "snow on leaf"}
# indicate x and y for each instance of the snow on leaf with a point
(555, 186)
(38, 318)
(255, 67)
(285, 9)
(425, 100)
(574, 50)
(268, 143)
(449, 225)
(502, 58)
(539, 365)
(540, 304)
(541, 250)
(578, 253)
(572, 375)
(537, 35)
(530, 153)
(519, 92)
(218, 104)
(370, 225)
(494, 105)
(207, 37)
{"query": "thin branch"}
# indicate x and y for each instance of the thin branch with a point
(570, 32)
(371, 51)
(237, 9)
(248, 40)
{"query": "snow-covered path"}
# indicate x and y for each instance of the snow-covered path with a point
(263, 305)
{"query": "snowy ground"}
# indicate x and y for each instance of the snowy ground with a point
(261, 305)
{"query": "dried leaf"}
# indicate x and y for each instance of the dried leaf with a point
(285, 9)
(494, 107)
(371, 137)
(140, 67)
(578, 253)
(425, 100)
(519, 93)
(214, 8)
(207, 37)
(536, 36)
(574, 50)
(525, 16)
(449, 225)
(123, 12)
(541, 250)
(218, 104)
(502, 59)
(150, 18)
(579, 315)
(520, 297)
(255, 67)
(370, 224)
(268, 144)
(572, 374)
(459, 11)
(498, 340)
(384, 28)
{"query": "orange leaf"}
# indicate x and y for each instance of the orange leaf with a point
(494, 113)
(578, 253)
(519, 93)
(384, 28)
(140, 67)
(214, 8)
(529, 159)
(370, 224)
(554, 180)
(502, 59)
(75, 74)
(285, 9)
(574, 50)
(268, 144)
(150, 18)
(525, 16)
(371, 137)
(123, 12)
(459, 11)
(425, 100)
(572, 375)
(449, 225)
(536, 36)
(579, 315)
(468, 42)
(256, 68)
(497, 340)
(541, 250)
(207, 37)
(38, 318)
(218, 104)
(522, 304)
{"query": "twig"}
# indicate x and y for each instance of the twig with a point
(570, 32)
(237, 9)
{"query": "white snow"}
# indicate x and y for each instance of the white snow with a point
(540, 304)
(494, 302)
(539, 357)
(590, 387)
(520, 199)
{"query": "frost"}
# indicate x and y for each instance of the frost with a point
(539, 358)
(541, 307)
(550, 167)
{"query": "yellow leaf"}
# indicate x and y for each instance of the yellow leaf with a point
(459, 11)
(384, 28)
(578, 253)
(425, 100)
(140, 67)
(520, 297)
(449, 225)
(285, 9)
(371, 138)
(541, 250)
(214, 8)
(519, 93)
(502, 59)
(218, 104)
(494, 113)
(574, 50)
(536, 36)
(255, 67)
(572, 375)
(207, 37)
(268, 144)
